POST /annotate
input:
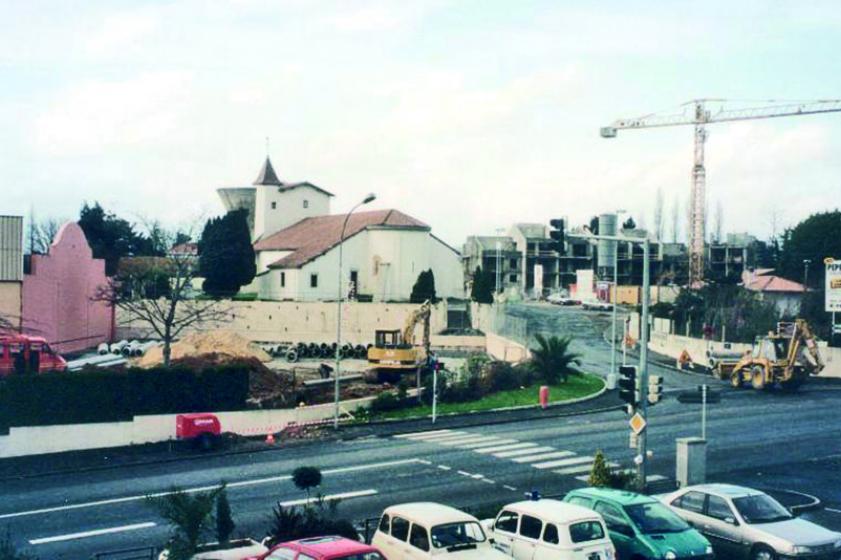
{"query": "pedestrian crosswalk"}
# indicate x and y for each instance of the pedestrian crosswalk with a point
(538, 456)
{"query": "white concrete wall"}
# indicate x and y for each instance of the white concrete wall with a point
(287, 321)
(505, 349)
(157, 428)
(289, 207)
(265, 258)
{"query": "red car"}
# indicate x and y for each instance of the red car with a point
(323, 548)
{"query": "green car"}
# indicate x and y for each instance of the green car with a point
(642, 528)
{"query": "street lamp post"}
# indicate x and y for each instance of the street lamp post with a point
(611, 379)
(340, 299)
(806, 263)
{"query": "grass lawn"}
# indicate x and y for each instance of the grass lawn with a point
(576, 386)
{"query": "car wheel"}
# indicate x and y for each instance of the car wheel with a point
(762, 552)
(736, 379)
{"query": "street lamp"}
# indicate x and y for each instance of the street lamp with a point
(337, 370)
(806, 263)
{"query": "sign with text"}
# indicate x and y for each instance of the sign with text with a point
(833, 285)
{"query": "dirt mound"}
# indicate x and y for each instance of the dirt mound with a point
(222, 344)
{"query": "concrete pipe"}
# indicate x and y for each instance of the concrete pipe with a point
(301, 349)
(347, 350)
(130, 348)
(292, 356)
(117, 347)
(102, 349)
(360, 352)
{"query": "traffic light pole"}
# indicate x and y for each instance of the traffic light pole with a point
(643, 371)
(644, 333)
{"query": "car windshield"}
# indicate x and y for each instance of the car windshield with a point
(760, 509)
(455, 534)
(655, 518)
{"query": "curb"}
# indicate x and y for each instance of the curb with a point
(812, 502)
(392, 421)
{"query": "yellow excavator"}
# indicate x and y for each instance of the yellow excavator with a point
(394, 351)
(786, 357)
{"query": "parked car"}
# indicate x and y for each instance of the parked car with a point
(322, 548)
(745, 523)
(240, 549)
(550, 530)
(642, 527)
(422, 530)
(597, 305)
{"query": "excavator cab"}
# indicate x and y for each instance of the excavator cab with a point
(389, 339)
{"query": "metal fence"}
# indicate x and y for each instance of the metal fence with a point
(143, 553)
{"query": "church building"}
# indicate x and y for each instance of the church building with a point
(296, 241)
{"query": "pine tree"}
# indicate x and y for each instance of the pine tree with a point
(600, 475)
(226, 256)
(424, 288)
(482, 291)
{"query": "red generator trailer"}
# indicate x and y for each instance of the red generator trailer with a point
(201, 428)
(23, 354)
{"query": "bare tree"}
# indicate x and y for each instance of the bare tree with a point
(658, 215)
(42, 234)
(158, 292)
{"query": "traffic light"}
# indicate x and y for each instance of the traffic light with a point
(655, 388)
(628, 384)
(557, 235)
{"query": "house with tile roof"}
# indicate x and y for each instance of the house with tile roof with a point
(785, 294)
(296, 242)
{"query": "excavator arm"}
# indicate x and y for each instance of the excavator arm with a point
(420, 314)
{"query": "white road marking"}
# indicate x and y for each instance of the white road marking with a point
(424, 462)
(465, 473)
(468, 439)
(508, 447)
(489, 481)
(492, 440)
(576, 470)
(331, 497)
(94, 533)
(511, 488)
(445, 468)
(543, 457)
(528, 451)
(230, 485)
(443, 437)
(833, 510)
(655, 477)
(563, 462)
(421, 435)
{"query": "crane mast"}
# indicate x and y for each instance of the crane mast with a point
(699, 116)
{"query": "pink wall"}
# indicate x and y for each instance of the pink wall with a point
(58, 294)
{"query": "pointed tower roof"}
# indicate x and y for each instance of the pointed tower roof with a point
(267, 175)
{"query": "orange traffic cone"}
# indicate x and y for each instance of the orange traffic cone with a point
(270, 439)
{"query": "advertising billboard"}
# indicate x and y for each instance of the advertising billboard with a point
(833, 285)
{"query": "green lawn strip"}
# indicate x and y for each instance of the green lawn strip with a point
(576, 386)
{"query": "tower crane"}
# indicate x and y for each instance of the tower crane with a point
(701, 112)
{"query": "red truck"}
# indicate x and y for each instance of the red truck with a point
(22, 354)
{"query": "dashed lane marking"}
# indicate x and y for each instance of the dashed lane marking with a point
(94, 533)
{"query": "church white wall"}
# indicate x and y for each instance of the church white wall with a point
(265, 258)
(447, 267)
(289, 208)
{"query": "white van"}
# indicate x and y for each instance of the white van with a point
(425, 530)
(550, 530)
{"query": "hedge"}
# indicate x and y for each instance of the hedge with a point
(109, 396)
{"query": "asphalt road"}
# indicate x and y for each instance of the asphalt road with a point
(763, 439)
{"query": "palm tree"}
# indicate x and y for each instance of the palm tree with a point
(552, 359)
(191, 514)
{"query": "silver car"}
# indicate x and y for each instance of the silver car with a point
(745, 523)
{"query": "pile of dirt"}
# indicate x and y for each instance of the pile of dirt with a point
(223, 344)
(271, 389)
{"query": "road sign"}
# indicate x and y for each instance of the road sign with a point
(633, 441)
(836, 329)
(833, 285)
(637, 423)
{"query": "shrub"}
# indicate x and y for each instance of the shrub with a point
(603, 476)
(224, 521)
(292, 523)
(502, 376)
(385, 402)
(190, 514)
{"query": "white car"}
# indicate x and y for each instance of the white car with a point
(742, 523)
(550, 530)
(423, 530)
(597, 305)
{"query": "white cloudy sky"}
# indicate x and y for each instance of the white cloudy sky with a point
(467, 114)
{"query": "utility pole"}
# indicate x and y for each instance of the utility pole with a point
(646, 301)
(806, 263)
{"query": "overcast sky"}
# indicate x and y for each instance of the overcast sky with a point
(468, 115)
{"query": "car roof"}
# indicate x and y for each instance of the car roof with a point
(328, 547)
(553, 510)
(429, 513)
(727, 490)
(621, 497)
